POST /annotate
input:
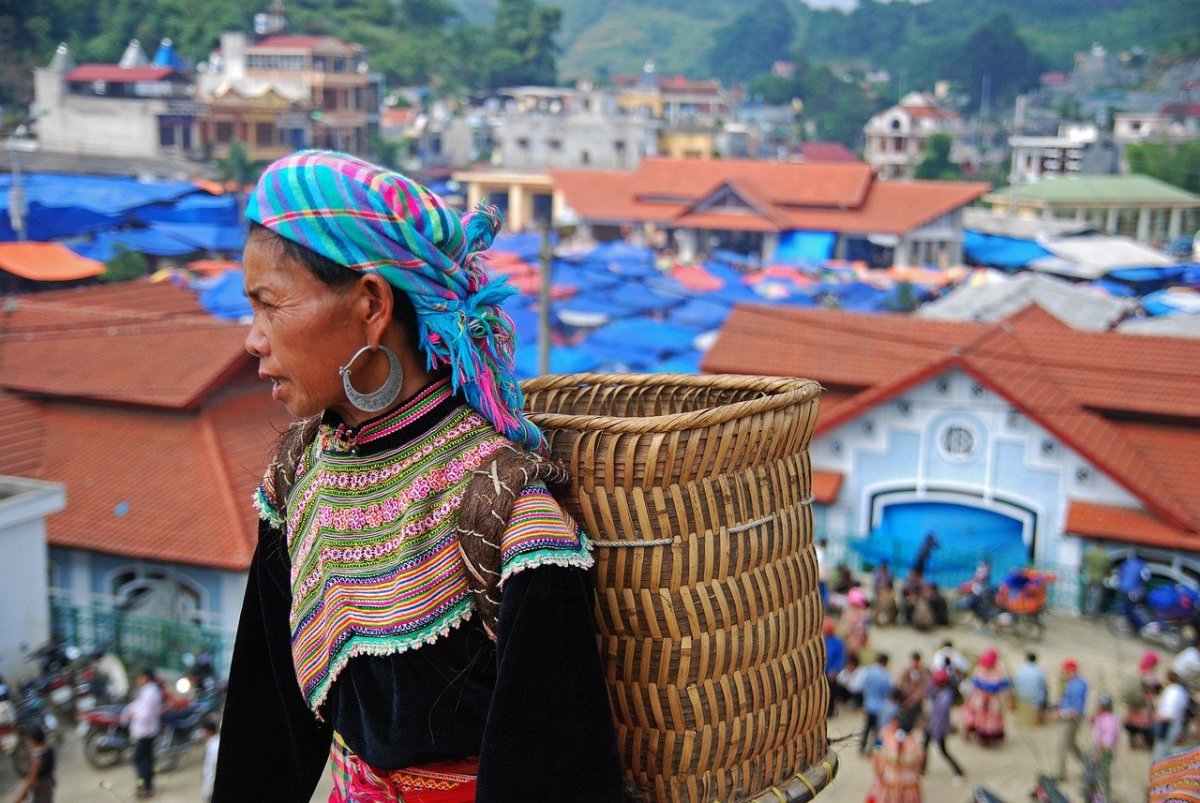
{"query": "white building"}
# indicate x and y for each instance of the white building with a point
(896, 136)
(132, 109)
(24, 505)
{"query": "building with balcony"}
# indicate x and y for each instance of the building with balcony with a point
(287, 91)
(1037, 157)
(896, 136)
(538, 128)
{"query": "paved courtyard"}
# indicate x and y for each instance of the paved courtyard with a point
(1009, 770)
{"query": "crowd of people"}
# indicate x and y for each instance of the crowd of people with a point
(931, 699)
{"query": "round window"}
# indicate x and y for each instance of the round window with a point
(958, 442)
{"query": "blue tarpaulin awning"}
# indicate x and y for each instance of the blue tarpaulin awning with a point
(965, 536)
(655, 338)
(699, 313)
(563, 360)
(108, 244)
(220, 209)
(225, 297)
(206, 236)
(1000, 252)
(617, 358)
(805, 246)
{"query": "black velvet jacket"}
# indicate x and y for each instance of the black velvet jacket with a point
(533, 706)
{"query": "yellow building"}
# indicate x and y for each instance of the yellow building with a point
(268, 123)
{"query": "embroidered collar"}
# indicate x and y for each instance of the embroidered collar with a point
(409, 420)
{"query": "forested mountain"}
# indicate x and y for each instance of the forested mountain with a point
(458, 43)
(619, 35)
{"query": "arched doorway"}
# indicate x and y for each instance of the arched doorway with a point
(966, 535)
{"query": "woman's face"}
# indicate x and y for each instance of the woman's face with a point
(303, 330)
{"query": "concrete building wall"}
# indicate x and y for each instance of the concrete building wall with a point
(102, 126)
(24, 505)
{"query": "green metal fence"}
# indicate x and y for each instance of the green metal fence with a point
(139, 641)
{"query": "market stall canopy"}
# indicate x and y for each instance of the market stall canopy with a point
(47, 262)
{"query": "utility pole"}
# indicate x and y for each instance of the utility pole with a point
(547, 258)
(17, 208)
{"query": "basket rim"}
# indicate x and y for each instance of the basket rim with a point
(784, 392)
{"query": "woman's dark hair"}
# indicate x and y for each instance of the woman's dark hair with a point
(335, 275)
(36, 734)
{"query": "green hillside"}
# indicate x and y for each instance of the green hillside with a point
(453, 44)
(617, 36)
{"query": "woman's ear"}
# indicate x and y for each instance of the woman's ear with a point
(375, 304)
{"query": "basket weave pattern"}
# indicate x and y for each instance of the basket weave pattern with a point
(697, 493)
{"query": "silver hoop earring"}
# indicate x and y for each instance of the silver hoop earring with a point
(379, 399)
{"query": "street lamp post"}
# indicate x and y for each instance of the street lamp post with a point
(17, 143)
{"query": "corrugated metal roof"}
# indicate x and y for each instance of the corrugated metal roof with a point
(1130, 190)
(1079, 309)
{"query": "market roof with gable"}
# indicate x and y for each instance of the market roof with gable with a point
(160, 442)
(1125, 403)
(768, 196)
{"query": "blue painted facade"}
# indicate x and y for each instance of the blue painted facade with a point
(952, 442)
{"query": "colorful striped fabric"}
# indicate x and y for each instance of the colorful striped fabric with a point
(1176, 778)
(373, 542)
(368, 218)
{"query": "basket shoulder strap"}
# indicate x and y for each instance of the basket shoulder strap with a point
(483, 518)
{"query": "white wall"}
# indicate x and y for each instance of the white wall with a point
(25, 617)
(79, 124)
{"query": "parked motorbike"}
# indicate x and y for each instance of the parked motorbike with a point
(72, 682)
(17, 717)
(106, 740)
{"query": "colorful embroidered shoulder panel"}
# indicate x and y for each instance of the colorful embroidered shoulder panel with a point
(373, 544)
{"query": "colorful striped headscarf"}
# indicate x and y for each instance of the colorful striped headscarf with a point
(372, 219)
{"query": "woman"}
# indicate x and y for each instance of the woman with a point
(983, 712)
(941, 701)
(897, 764)
(856, 621)
(1138, 694)
(418, 608)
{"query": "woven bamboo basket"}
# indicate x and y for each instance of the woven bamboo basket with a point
(697, 493)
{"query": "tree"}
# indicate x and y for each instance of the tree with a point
(1178, 165)
(994, 59)
(523, 49)
(935, 162)
(752, 42)
(124, 266)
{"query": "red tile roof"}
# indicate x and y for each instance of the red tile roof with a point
(1126, 525)
(839, 197)
(826, 485)
(1124, 403)
(159, 486)
(21, 430)
(827, 152)
(171, 484)
(114, 74)
(142, 343)
(290, 42)
(930, 113)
